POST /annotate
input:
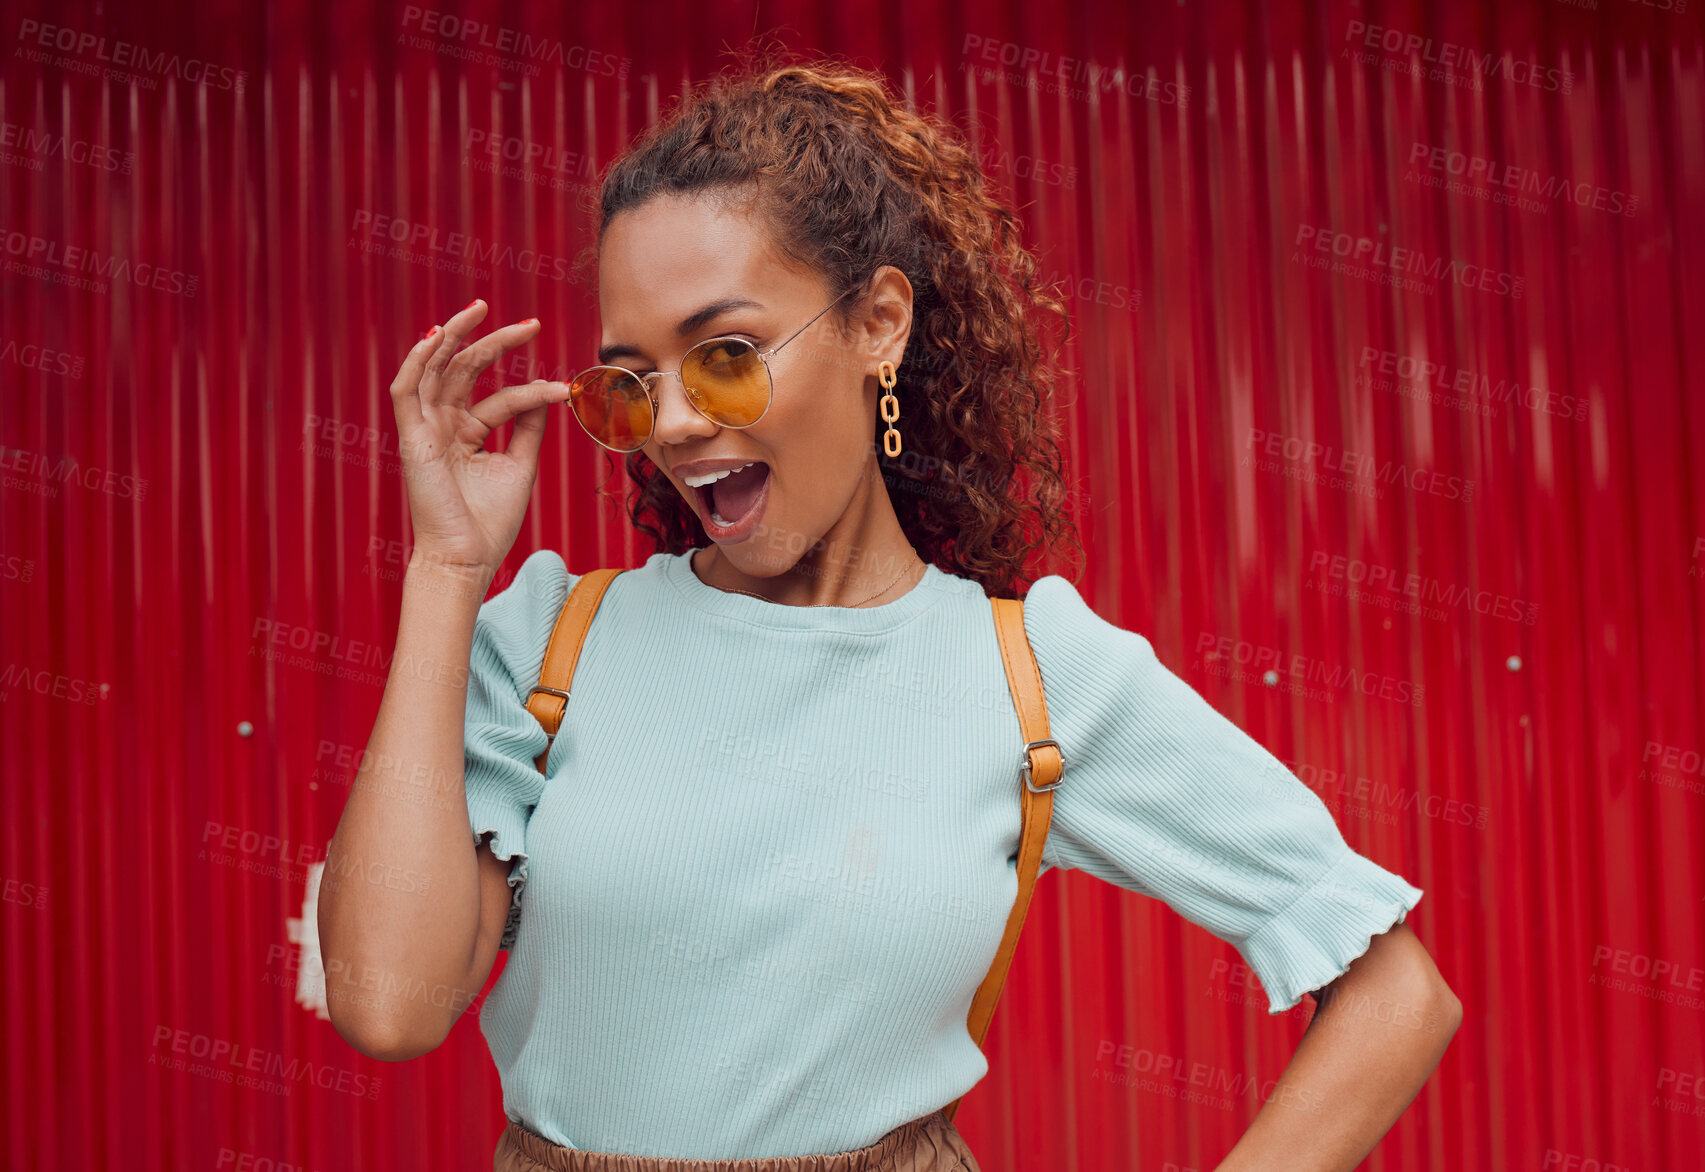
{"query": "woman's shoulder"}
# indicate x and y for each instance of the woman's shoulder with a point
(1056, 609)
(543, 576)
(1052, 590)
(1093, 665)
(543, 583)
(513, 625)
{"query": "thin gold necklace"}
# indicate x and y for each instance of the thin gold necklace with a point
(860, 602)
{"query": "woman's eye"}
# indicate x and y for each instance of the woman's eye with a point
(728, 349)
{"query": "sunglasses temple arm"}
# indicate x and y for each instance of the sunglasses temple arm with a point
(810, 323)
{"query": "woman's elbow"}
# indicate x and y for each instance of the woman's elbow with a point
(1396, 981)
(382, 1040)
(1447, 1008)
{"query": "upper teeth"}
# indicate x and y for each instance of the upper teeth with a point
(713, 477)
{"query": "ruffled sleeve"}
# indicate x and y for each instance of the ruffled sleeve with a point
(501, 738)
(1165, 796)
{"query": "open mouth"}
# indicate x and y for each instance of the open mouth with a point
(729, 505)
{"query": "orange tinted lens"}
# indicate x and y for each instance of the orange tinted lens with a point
(727, 381)
(612, 406)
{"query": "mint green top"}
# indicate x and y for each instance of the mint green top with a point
(775, 850)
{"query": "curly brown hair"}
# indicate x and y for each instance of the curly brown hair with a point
(850, 179)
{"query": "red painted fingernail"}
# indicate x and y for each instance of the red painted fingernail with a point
(429, 333)
(529, 321)
(470, 305)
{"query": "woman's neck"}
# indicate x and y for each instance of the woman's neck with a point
(846, 575)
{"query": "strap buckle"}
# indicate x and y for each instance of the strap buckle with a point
(1025, 767)
(550, 737)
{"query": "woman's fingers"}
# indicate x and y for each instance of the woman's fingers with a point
(529, 436)
(405, 388)
(508, 403)
(464, 369)
(435, 387)
(434, 374)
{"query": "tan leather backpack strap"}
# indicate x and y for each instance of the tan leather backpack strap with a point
(548, 701)
(1042, 769)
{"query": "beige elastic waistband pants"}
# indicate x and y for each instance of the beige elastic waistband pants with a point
(929, 1144)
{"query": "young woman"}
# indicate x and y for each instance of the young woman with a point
(772, 854)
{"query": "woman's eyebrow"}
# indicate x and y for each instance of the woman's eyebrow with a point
(690, 324)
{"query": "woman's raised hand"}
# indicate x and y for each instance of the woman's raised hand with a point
(467, 503)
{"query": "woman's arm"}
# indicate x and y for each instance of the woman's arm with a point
(409, 912)
(1377, 1033)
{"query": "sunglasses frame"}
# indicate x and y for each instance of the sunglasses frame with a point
(646, 381)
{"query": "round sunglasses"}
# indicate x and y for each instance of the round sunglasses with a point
(727, 380)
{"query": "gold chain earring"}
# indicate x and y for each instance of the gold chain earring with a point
(890, 407)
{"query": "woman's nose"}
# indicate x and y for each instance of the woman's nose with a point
(677, 418)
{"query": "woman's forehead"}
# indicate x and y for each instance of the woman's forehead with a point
(673, 255)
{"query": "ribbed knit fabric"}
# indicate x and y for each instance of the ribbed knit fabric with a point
(774, 855)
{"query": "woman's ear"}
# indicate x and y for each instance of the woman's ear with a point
(888, 322)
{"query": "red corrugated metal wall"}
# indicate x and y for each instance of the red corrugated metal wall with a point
(1389, 368)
